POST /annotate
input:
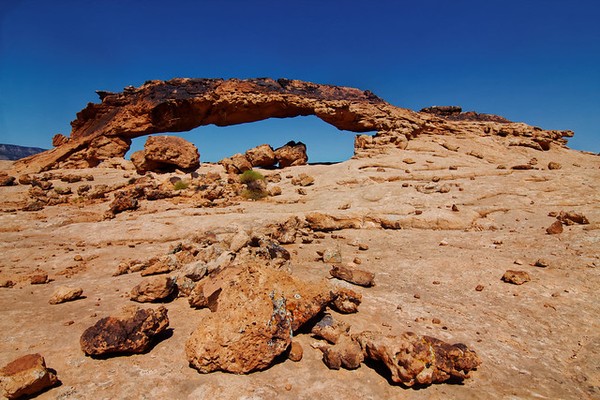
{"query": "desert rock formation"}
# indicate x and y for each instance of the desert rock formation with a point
(103, 131)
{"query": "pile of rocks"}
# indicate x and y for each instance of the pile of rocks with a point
(290, 154)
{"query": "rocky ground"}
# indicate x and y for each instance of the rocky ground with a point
(438, 224)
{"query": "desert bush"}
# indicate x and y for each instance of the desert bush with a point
(254, 194)
(251, 176)
(180, 185)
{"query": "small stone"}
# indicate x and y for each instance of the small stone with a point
(518, 262)
(444, 242)
(355, 276)
(78, 257)
(68, 323)
(554, 165)
(555, 228)
(6, 283)
(38, 277)
(408, 161)
(357, 261)
(288, 387)
(454, 208)
(436, 179)
(516, 277)
(333, 256)
(329, 329)
(296, 351)
(418, 212)
(436, 321)
(346, 301)
(436, 282)
(64, 294)
(363, 246)
(479, 288)
(542, 263)
(417, 296)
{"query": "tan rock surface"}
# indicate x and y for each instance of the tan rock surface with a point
(537, 340)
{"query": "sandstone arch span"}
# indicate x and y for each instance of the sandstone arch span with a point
(105, 130)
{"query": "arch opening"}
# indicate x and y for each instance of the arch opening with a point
(324, 142)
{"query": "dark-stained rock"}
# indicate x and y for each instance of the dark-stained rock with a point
(443, 111)
(132, 332)
(6, 180)
(261, 156)
(64, 294)
(156, 288)
(346, 353)
(572, 217)
(516, 277)
(103, 131)
(291, 154)
(418, 360)
(166, 154)
(355, 276)
(555, 228)
(256, 309)
(346, 301)
(35, 205)
(26, 376)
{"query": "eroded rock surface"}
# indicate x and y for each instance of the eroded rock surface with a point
(165, 154)
(256, 309)
(422, 360)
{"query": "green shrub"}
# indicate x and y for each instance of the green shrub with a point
(180, 185)
(251, 176)
(254, 194)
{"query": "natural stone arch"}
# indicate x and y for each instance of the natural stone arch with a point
(105, 130)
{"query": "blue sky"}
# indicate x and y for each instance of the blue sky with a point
(532, 61)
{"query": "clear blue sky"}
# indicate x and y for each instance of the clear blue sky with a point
(532, 61)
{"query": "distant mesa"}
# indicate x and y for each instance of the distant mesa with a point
(13, 152)
(103, 131)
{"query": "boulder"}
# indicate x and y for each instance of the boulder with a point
(123, 201)
(132, 332)
(166, 154)
(256, 310)
(236, 164)
(296, 352)
(261, 156)
(26, 376)
(572, 217)
(291, 154)
(418, 360)
(64, 294)
(156, 288)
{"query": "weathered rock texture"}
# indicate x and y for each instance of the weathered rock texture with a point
(24, 376)
(422, 360)
(165, 154)
(255, 311)
(131, 332)
(105, 130)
